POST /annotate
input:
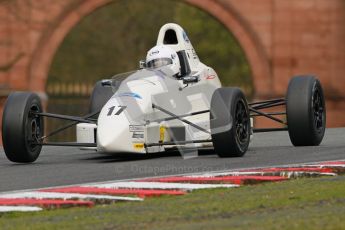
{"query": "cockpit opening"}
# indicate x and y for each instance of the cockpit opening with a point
(170, 37)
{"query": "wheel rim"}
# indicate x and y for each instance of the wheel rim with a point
(34, 127)
(241, 123)
(318, 110)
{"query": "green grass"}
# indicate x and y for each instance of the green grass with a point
(317, 203)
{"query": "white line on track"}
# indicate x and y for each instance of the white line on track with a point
(161, 185)
(19, 209)
(65, 196)
(225, 174)
(95, 184)
(326, 165)
(253, 169)
(258, 173)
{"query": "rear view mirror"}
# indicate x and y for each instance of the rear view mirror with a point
(106, 82)
(142, 64)
(190, 79)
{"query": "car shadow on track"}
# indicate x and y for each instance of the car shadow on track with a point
(139, 157)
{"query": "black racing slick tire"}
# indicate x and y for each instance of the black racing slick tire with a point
(21, 128)
(305, 111)
(99, 97)
(229, 122)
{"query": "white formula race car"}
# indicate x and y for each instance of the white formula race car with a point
(172, 102)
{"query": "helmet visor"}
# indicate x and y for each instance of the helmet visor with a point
(157, 63)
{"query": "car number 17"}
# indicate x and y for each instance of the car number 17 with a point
(117, 111)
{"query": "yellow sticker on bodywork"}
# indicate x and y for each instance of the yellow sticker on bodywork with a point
(161, 133)
(138, 146)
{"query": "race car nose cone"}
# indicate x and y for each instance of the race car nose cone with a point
(113, 134)
(109, 141)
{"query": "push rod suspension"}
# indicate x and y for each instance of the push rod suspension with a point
(71, 144)
(179, 118)
(64, 117)
(267, 101)
(268, 105)
(272, 114)
(184, 115)
(262, 130)
(67, 126)
(266, 115)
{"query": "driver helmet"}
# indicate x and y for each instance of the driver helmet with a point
(165, 59)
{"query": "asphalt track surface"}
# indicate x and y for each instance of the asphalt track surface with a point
(58, 166)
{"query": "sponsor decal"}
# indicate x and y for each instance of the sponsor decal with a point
(154, 52)
(161, 133)
(185, 37)
(138, 135)
(129, 94)
(137, 132)
(136, 128)
(138, 146)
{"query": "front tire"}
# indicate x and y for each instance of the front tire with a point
(21, 129)
(306, 111)
(229, 122)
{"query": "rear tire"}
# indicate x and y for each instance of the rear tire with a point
(305, 111)
(100, 95)
(21, 129)
(229, 122)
